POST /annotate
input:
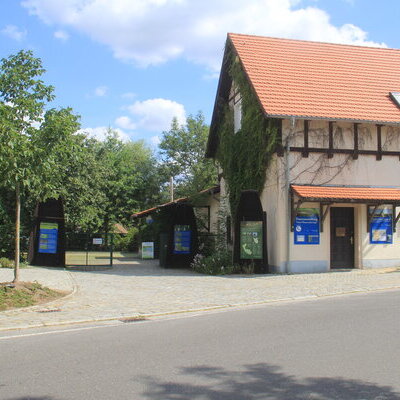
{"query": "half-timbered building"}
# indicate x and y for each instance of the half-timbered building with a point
(332, 189)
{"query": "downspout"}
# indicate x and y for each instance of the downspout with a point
(287, 179)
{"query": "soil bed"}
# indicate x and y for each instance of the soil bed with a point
(24, 294)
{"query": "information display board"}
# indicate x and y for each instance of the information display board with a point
(182, 239)
(251, 240)
(48, 237)
(147, 250)
(306, 226)
(381, 225)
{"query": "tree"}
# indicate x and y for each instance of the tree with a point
(182, 151)
(22, 99)
(130, 178)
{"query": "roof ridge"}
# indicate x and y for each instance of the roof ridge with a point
(230, 34)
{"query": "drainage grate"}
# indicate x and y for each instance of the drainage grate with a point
(132, 319)
(49, 310)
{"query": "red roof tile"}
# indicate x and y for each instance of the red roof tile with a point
(335, 193)
(321, 80)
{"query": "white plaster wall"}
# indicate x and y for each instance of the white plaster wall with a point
(273, 202)
(339, 170)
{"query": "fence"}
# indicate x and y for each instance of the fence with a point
(96, 249)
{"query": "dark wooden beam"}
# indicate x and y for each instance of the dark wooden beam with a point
(370, 215)
(379, 141)
(323, 214)
(396, 220)
(355, 136)
(305, 151)
(346, 151)
(330, 150)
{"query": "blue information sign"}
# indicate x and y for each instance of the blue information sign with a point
(306, 226)
(182, 239)
(48, 235)
(381, 226)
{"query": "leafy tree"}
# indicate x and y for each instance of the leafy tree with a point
(22, 99)
(182, 151)
(130, 178)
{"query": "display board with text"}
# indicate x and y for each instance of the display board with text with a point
(251, 240)
(306, 226)
(381, 225)
(182, 239)
(48, 237)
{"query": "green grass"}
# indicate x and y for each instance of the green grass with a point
(25, 294)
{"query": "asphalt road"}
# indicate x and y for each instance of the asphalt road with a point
(345, 348)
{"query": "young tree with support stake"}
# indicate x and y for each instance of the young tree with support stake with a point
(22, 99)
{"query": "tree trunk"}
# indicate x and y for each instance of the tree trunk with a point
(17, 232)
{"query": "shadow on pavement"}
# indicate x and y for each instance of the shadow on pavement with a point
(262, 382)
(33, 398)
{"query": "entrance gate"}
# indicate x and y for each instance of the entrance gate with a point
(96, 249)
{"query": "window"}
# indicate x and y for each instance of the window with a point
(237, 112)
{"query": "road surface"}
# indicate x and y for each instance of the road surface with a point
(345, 347)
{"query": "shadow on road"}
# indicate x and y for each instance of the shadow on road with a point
(262, 382)
(33, 398)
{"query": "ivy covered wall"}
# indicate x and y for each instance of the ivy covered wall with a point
(244, 156)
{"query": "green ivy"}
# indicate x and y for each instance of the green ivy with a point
(245, 155)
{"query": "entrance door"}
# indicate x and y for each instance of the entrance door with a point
(342, 237)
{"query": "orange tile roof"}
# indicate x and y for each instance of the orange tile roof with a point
(358, 194)
(321, 80)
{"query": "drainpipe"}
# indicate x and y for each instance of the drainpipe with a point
(287, 179)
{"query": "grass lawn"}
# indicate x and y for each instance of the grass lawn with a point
(24, 294)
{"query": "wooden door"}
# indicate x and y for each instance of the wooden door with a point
(342, 237)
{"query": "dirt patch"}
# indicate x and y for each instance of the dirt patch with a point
(25, 294)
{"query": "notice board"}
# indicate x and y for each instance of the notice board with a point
(306, 226)
(48, 237)
(182, 239)
(381, 225)
(251, 240)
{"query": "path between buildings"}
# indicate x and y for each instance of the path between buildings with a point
(141, 288)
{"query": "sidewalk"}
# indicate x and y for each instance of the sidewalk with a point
(141, 288)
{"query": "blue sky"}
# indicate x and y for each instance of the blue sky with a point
(134, 64)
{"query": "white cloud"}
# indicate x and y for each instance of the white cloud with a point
(149, 32)
(61, 35)
(154, 115)
(101, 91)
(125, 122)
(14, 32)
(99, 133)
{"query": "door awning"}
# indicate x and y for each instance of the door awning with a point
(347, 194)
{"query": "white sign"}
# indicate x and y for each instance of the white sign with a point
(147, 250)
(97, 241)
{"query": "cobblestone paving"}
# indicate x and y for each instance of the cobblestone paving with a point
(141, 288)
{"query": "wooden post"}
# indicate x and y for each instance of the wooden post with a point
(330, 150)
(305, 151)
(355, 154)
(379, 140)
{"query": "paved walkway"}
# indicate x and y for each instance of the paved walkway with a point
(141, 288)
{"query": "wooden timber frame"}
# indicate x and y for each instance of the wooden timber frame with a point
(325, 205)
(305, 150)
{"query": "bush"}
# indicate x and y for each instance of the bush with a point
(219, 263)
(6, 263)
(126, 242)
